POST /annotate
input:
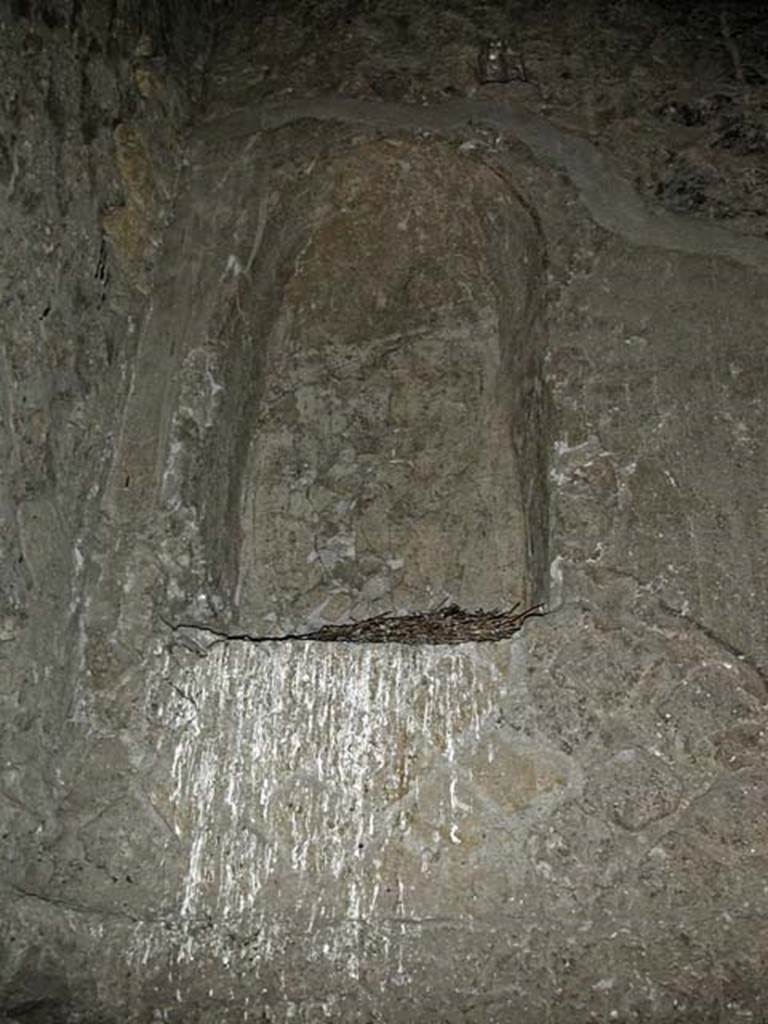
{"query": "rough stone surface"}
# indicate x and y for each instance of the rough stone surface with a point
(381, 474)
(314, 312)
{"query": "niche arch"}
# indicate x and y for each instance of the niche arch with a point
(385, 415)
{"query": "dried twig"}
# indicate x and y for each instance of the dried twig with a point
(450, 625)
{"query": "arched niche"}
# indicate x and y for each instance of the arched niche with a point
(384, 403)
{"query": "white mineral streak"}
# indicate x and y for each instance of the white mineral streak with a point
(295, 784)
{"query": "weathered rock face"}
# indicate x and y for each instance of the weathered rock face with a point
(362, 449)
(381, 474)
(292, 339)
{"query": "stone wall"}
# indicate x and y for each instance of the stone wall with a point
(308, 316)
(93, 108)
